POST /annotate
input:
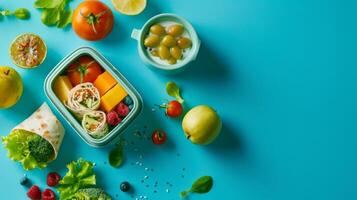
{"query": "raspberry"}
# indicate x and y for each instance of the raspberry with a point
(122, 109)
(113, 119)
(48, 194)
(34, 193)
(53, 178)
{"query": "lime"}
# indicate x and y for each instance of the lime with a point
(129, 7)
(28, 50)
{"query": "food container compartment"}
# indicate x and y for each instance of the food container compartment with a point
(59, 69)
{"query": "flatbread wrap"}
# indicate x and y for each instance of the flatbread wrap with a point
(36, 141)
(95, 124)
(82, 99)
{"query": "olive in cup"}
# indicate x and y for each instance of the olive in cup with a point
(168, 43)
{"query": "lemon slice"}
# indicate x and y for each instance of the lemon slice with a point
(129, 7)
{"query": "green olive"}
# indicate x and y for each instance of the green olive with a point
(157, 29)
(155, 53)
(175, 30)
(172, 61)
(168, 41)
(152, 41)
(184, 43)
(176, 52)
(164, 52)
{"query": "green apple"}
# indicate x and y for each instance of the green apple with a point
(201, 125)
(10, 87)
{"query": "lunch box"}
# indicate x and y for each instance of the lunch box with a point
(112, 136)
(140, 35)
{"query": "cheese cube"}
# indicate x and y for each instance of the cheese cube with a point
(113, 97)
(104, 82)
(61, 87)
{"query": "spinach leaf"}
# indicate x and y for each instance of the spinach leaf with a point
(55, 12)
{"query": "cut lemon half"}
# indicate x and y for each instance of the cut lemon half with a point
(129, 7)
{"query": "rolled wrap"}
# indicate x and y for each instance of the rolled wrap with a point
(82, 99)
(95, 123)
(45, 124)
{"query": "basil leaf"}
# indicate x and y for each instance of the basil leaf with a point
(47, 3)
(173, 90)
(22, 13)
(202, 185)
(116, 156)
(65, 18)
(50, 16)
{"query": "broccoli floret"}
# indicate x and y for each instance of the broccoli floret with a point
(40, 149)
(91, 194)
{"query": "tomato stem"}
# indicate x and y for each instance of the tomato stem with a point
(93, 19)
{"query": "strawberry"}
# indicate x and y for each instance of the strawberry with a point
(53, 178)
(48, 194)
(34, 193)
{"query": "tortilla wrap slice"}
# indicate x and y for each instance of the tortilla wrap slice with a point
(82, 99)
(45, 124)
(95, 124)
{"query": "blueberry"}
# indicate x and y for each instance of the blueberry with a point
(128, 101)
(125, 186)
(131, 107)
(23, 180)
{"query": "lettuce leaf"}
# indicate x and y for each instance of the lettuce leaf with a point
(80, 175)
(18, 149)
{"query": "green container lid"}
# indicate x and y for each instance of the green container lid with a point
(112, 136)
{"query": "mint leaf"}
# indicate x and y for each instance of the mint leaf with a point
(47, 3)
(116, 155)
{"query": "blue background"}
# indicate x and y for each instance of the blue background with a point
(280, 73)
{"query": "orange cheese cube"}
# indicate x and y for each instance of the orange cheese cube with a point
(61, 87)
(104, 82)
(113, 97)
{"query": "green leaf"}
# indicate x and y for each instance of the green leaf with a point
(65, 18)
(5, 13)
(50, 16)
(173, 90)
(116, 155)
(201, 185)
(21, 13)
(47, 3)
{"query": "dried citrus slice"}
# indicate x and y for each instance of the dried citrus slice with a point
(129, 7)
(28, 50)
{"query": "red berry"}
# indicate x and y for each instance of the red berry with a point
(174, 109)
(113, 119)
(122, 109)
(53, 178)
(48, 194)
(34, 193)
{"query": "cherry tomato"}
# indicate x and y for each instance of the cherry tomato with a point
(174, 109)
(158, 137)
(86, 69)
(92, 20)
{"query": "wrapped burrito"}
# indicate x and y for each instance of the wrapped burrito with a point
(82, 99)
(36, 141)
(95, 123)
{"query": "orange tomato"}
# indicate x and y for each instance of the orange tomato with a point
(92, 20)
